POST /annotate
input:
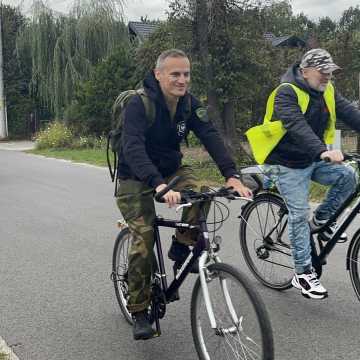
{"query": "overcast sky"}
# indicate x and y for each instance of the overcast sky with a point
(155, 9)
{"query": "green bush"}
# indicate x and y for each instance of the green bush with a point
(56, 136)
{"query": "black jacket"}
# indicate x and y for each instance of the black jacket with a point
(304, 141)
(151, 153)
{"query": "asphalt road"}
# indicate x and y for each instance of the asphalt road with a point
(57, 229)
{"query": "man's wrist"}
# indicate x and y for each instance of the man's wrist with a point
(234, 176)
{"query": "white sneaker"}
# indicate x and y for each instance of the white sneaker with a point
(309, 285)
(327, 234)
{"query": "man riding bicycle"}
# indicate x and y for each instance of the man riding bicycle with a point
(150, 158)
(307, 104)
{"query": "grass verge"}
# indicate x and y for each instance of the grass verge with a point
(89, 156)
(204, 168)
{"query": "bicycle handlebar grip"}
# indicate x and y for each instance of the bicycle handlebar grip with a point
(158, 196)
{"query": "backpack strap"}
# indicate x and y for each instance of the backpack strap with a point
(149, 105)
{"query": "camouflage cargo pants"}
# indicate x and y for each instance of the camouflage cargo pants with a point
(135, 201)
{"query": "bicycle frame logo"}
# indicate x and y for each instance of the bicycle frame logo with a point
(184, 265)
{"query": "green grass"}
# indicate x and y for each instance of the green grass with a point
(89, 156)
(204, 168)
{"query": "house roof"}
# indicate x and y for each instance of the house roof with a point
(287, 40)
(142, 29)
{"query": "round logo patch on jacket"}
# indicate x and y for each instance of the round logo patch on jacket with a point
(181, 128)
(201, 113)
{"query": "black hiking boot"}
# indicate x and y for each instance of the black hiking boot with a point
(142, 329)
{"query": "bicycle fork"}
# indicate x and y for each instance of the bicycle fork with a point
(207, 300)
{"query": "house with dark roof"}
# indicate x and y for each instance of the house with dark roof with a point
(284, 41)
(140, 31)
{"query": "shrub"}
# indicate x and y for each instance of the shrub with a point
(56, 136)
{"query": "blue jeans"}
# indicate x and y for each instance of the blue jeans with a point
(294, 184)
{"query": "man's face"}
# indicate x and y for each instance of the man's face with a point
(174, 76)
(316, 79)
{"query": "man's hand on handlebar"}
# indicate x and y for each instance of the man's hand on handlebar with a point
(334, 156)
(172, 198)
(239, 187)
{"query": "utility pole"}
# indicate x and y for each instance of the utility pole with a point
(3, 120)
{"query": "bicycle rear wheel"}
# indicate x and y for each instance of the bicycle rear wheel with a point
(120, 267)
(243, 328)
(354, 263)
(264, 241)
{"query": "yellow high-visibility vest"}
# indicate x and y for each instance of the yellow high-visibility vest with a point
(263, 138)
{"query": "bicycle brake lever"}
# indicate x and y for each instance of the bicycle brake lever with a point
(244, 198)
(183, 206)
(241, 198)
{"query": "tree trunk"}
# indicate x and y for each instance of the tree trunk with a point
(358, 135)
(201, 42)
(228, 119)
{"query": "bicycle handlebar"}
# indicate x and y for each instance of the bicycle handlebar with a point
(347, 157)
(189, 196)
(351, 157)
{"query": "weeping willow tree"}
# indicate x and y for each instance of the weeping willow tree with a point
(65, 48)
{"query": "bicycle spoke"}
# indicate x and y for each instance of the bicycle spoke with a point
(354, 261)
(120, 269)
(269, 254)
(238, 333)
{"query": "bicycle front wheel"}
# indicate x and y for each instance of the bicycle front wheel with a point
(243, 329)
(120, 266)
(354, 263)
(264, 241)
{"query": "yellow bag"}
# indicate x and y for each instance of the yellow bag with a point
(263, 139)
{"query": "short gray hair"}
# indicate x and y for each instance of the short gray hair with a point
(173, 53)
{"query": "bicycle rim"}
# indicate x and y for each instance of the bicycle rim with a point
(120, 270)
(264, 241)
(249, 337)
(354, 266)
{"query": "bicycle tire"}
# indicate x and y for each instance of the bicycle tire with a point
(119, 270)
(247, 305)
(268, 257)
(354, 265)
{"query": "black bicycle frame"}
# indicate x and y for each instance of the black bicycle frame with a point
(327, 248)
(202, 244)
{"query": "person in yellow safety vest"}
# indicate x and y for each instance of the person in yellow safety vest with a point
(307, 105)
